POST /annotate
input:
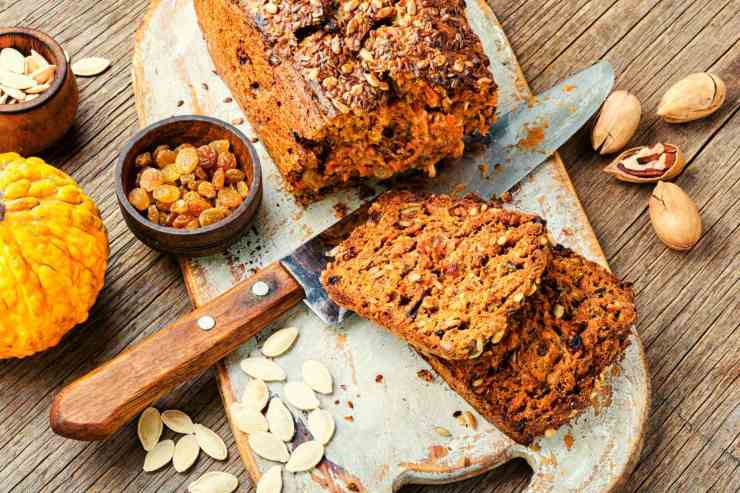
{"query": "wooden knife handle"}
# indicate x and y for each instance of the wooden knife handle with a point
(101, 402)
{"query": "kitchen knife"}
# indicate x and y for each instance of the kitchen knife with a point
(101, 402)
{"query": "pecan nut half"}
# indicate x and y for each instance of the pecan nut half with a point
(648, 164)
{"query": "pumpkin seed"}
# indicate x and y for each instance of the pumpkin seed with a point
(38, 89)
(43, 75)
(186, 453)
(264, 369)
(279, 342)
(247, 419)
(317, 376)
(177, 421)
(214, 482)
(279, 420)
(256, 394)
(149, 428)
(268, 446)
(13, 93)
(159, 456)
(321, 425)
(90, 67)
(271, 481)
(301, 396)
(210, 442)
(305, 457)
(444, 432)
(12, 60)
(16, 81)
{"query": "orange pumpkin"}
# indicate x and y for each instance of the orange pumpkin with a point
(53, 255)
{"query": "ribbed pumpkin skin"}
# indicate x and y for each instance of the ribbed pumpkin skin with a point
(53, 255)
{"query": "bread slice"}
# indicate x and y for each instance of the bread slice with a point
(339, 91)
(445, 274)
(545, 370)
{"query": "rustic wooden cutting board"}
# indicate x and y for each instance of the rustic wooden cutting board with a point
(385, 436)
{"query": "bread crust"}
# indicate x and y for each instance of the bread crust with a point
(445, 274)
(339, 91)
(547, 368)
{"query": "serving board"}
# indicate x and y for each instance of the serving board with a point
(386, 413)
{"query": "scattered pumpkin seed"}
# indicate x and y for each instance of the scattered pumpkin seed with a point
(321, 425)
(268, 446)
(280, 420)
(271, 481)
(159, 456)
(264, 369)
(279, 342)
(90, 67)
(317, 376)
(301, 396)
(210, 442)
(149, 428)
(177, 421)
(247, 419)
(214, 482)
(305, 457)
(444, 432)
(186, 453)
(256, 394)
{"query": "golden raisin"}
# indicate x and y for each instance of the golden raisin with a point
(182, 221)
(194, 224)
(191, 195)
(201, 173)
(164, 156)
(186, 179)
(213, 215)
(139, 198)
(220, 146)
(163, 206)
(242, 189)
(144, 160)
(234, 175)
(179, 207)
(207, 157)
(153, 214)
(170, 173)
(187, 160)
(184, 145)
(228, 197)
(150, 179)
(227, 161)
(219, 178)
(207, 190)
(166, 193)
(166, 218)
(197, 206)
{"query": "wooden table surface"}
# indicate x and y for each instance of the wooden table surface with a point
(689, 303)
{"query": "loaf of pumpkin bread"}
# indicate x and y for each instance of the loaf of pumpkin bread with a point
(445, 274)
(340, 90)
(550, 364)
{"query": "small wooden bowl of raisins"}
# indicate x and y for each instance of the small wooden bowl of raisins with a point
(189, 185)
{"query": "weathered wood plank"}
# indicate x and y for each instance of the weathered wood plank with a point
(687, 302)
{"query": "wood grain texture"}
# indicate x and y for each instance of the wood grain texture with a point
(688, 303)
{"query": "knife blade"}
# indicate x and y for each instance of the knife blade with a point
(98, 404)
(518, 142)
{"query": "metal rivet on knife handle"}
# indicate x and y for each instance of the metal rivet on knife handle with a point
(260, 288)
(206, 323)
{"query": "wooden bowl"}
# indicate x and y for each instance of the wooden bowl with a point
(29, 128)
(196, 130)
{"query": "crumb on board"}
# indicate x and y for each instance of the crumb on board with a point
(349, 418)
(340, 210)
(379, 378)
(350, 404)
(180, 103)
(237, 121)
(205, 86)
(228, 99)
(425, 375)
